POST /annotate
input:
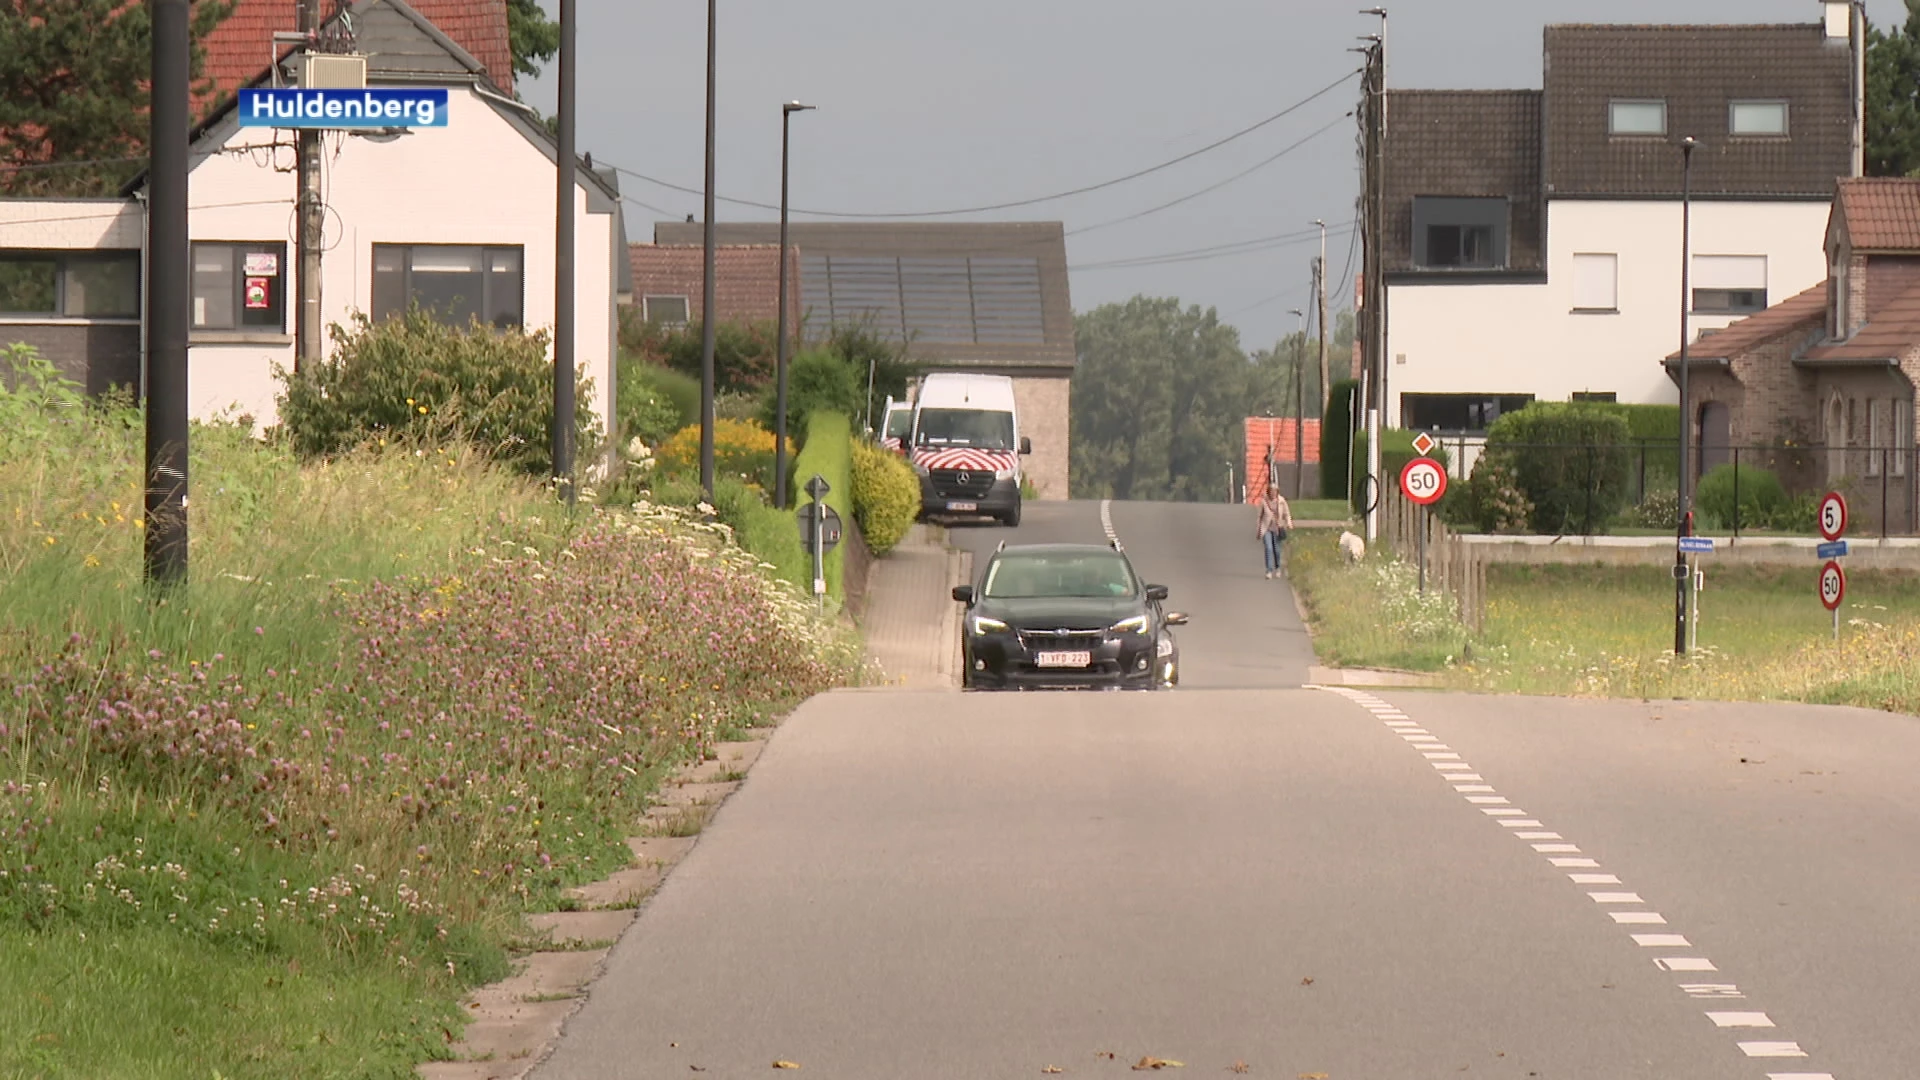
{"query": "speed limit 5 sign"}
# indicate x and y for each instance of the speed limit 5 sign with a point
(1423, 481)
(1833, 516)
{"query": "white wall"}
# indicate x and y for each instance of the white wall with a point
(1526, 339)
(476, 181)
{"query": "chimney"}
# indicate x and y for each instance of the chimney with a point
(1839, 20)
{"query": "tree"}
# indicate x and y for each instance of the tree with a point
(1158, 400)
(1893, 98)
(74, 92)
(531, 36)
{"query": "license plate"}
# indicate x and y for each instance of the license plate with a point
(1062, 659)
(963, 507)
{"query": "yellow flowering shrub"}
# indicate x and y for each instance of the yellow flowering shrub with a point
(741, 449)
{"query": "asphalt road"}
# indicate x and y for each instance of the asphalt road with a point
(1300, 881)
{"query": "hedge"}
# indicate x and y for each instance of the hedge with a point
(1335, 436)
(886, 496)
(1571, 460)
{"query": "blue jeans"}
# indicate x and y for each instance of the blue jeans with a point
(1271, 543)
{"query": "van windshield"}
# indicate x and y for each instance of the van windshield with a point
(979, 428)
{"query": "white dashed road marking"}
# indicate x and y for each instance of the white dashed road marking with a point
(1485, 798)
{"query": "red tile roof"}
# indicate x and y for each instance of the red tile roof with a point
(241, 47)
(1275, 433)
(1882, 213)
(1893, 332)
(1801, 312)
(747, 276)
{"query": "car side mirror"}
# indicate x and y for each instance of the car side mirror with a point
(1026, 445)
(963, 593)
(1176, 618)
(1156, 592)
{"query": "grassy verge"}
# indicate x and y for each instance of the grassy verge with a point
(275, 822)
(828, 453)
(1608, 631)
(1320, 509)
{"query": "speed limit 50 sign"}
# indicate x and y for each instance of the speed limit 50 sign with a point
(1833, 585)
(1423, 481)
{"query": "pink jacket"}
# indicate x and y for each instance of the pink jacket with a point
(1275, 515)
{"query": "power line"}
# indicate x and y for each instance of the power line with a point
(122, 206)
(645, 206)
(1209, 189)
(1218, 251)
(1243, 132)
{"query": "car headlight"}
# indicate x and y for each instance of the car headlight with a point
(917, 467)
(1164, 649)
(1134, 625)
(1003, 474)
(980, 624)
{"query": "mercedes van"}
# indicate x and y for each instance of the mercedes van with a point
(966, 445)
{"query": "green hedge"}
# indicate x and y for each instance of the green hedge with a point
(1336, 435)
(828, 452)
(886, 496)
(1573, 462)
(654, 402)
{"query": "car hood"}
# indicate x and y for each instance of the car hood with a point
(1070, 612)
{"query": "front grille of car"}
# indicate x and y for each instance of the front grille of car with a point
(1061, 639)
(962, 483)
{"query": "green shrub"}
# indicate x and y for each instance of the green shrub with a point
(828, 453)
(411, 376)
(654, 401)
(1659, 509)
(1739, 497)
(1796, 513)
(1396, 449)
(741, 449)
(1572, 461)
(1336, 435)
(743, 352)
(1491, 500)
(817, 381)
(771, 535)
(886, 496)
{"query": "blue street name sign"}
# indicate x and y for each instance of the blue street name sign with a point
(1699, 545)
(1833, 550)
(293, 107)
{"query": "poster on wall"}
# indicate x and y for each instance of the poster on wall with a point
(257, 293)
(262, 264)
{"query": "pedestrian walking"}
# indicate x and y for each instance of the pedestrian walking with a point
(1276, 520)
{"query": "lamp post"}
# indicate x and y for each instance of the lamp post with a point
(1685, 525)
(707, 285)
(780, 349)
(1299, 405)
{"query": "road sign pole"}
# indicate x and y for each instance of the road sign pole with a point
(1423, 551)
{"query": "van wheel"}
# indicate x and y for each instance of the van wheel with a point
(1012, 517)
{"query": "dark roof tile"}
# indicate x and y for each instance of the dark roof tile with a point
(1464, 143)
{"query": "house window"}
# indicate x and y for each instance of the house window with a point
(1876, 434)
(1598, 397)
(1596, 283)
(70, 284)
(1902, 435)
(1628, 117)
(666, 310)
(1729, 284)
(1459, 233)
(1757, 118)
(454, 283)
(240, 287)
(1457, 412)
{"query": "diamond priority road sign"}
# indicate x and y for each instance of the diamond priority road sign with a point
(1423, 444)
(373, 108)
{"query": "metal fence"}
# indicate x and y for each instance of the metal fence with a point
(1596, 487)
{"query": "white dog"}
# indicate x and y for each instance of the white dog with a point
(1352, 546)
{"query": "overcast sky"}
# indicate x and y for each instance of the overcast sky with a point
(926, 107)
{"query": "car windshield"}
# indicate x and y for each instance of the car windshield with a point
(982, 429)
(899, 422)
(1032, 575)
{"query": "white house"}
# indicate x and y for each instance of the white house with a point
(1533, 237)
(460, 218)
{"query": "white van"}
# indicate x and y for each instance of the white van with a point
(966, 446)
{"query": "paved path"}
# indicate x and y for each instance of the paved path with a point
(1362, 884)
(912, 624)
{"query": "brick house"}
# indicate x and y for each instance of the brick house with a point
(1268, 444)
(1826, 378)
(975, 297)
(1532, 237)
(669, 283)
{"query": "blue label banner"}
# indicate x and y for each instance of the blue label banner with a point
(1836, 549)
(384, 107)
(1698, 545)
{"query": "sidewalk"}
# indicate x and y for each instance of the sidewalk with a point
(912, 623)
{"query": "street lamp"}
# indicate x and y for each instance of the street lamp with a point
(780, 364)
(1300, 405)
(707, 283)
(1685, 525)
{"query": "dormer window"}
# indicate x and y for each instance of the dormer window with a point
(1757, 118)
(1631, 117)
(1459, 233)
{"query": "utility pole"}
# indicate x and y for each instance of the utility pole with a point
(1300, 408)
(168, 275)
(309, 236)
(563, 265)
(707, 284)
(1682, 569)
(1320, 298)
(1375, 298)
